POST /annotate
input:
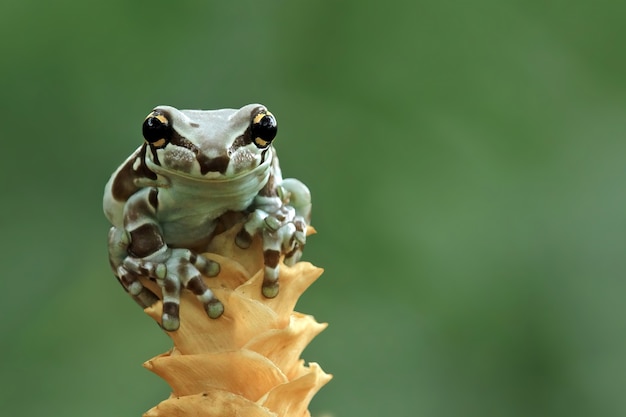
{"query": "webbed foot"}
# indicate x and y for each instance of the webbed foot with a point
(181, 269)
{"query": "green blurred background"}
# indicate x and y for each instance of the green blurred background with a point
(467, 166)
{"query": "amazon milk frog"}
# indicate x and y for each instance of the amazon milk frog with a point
(165, 202)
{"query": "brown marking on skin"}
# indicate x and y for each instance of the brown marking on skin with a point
(139, 209)
(146, 270)
(256, 112)
(263, 154)
(171, 308)
(243, 140)
(269, 189)
(183, 268)
(145, 240)
(170, 286)
(219, 163)
(183, 142)
(126, 279)
(124, 183)
(196, 285)
(271, 257)
(143, 169)
(153, 198)
(293, 252)
(300, 225)
(155, 156)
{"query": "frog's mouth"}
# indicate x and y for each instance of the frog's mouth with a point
(212, 176)
(247, 183)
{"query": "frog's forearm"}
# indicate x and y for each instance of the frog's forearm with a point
(171, 268)
(298, 196)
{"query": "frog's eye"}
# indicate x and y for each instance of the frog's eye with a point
(263, 129)
(156, 129)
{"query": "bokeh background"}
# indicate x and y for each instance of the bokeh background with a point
(466, 161)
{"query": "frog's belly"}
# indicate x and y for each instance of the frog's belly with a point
(190, 232)
(192, 226)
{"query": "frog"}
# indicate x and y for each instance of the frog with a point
(165, 203)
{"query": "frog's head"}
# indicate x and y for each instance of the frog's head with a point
(210, 143)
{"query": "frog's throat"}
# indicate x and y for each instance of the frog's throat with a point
(247, 183)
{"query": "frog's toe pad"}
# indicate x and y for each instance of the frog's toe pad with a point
(169, 318)
(170, 323)
(243, 239)
(270, 289)
(214, 308)
(211, 269)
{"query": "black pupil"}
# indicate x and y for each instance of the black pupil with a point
(266, 128)
(154, 129)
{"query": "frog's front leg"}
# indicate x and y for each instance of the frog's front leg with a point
(297, 195)
(147, 254)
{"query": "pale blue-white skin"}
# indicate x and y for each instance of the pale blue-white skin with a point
(164, 203)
